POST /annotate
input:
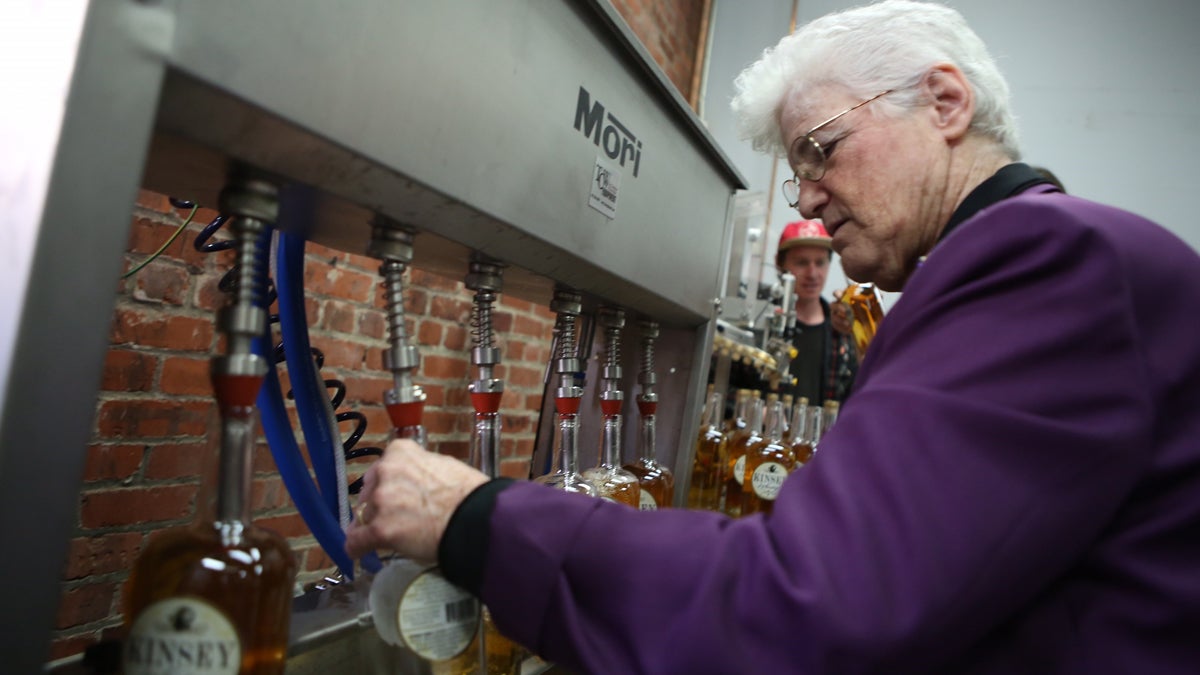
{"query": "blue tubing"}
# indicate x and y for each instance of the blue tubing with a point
(312, 399)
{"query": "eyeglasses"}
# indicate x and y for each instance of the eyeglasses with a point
(807, 155)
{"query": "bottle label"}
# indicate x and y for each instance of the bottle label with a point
(739, 470)
(182, 636)
(767, 479)
(437, 619)
(646, 502)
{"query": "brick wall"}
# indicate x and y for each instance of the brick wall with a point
(151, 447)
(672, 31)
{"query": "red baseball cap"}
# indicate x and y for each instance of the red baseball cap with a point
(802, 233)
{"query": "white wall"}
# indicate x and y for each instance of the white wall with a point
(1106, 92)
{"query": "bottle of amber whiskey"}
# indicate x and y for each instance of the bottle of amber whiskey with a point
(614, 482)
(216, 597)
(768, 464)
(709, 463)
(864, 304)
(735, 463)
(797, 433)
(804, 444)
(656, 481)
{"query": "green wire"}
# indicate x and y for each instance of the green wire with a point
(162, 248)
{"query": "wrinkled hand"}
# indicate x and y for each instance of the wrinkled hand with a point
(841, 319)
(406, 502)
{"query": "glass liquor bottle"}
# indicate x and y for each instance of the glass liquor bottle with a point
(656, 480)
(829, 415)
(735, 463)
(216, 597)
(499, 654)
(709, 463)
(614, 482)
(797, 435)
(564, 471)
(768, 464)
(864, 304)
(804, 445)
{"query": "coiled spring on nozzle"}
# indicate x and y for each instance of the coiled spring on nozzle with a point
(481, 320)
(566, 330)
(393, 299)
(612, 345)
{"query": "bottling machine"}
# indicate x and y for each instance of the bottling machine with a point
(538, 133)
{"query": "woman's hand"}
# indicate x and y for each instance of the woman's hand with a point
(406, 502)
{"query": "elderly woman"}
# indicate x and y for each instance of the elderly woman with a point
(1014, 485)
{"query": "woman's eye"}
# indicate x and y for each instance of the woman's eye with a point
(828, 148)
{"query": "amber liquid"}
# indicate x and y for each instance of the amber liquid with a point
(772, 461)
(803, 452)
(735, 470)
(502, 655)
(249, 579)
(868, 313)
(708, 470)
(655, 480)
(615, 484)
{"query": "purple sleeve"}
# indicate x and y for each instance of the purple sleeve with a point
(990, 438)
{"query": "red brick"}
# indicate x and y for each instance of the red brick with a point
(533, 402)
(516, 423)
(456, 339)
(162, 282)
(450, 308)
(181, 460)
(112, 462)
(367, 389)
(458, 449)
(429, 333)
(516, 303)
(523, 325)
(153, 201)
(132, 506)
(524, 376)
(290, 525)
(147, 233)
(441, 422)
(147, 328)
(416, 301)
(436, 395)
(372, 323)
(207, 295)
(339, 282)
(315, 560)
(186, 377)
(268, 494)
(127, 370)
(63, 647)
(342, 354)
(515, 468)
(444, 368)
(85, 604)
(154, 418)
(102, 554)
(502, 321)
(434, 281)
(339, 317)
(458, 397)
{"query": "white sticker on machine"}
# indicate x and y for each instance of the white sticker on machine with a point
(437, 619)
(606, 183)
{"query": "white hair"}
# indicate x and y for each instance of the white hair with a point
(866, 50)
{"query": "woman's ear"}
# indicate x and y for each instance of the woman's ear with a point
(953, 100)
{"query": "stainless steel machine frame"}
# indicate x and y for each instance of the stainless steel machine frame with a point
(536, 131)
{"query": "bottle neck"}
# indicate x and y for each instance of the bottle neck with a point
(238, 425)
(566, 447)
(610, 441)
(646, 438)
(485, 443)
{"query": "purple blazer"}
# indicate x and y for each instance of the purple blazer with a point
(1013, 487)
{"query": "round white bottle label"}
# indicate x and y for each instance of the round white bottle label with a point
(437, 619)
(739, 470)
(182, 636)
(767, 479)
(646, 502)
